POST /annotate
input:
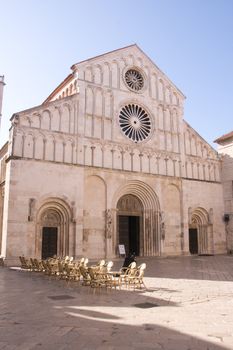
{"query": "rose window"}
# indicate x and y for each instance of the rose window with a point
(134, 79)
(135, 122)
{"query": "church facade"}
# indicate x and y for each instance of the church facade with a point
(108, 159)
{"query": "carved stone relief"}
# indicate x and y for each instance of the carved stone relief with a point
(129, 203)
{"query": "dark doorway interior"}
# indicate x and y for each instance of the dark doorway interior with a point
(49, 242)
(129, 233)
(193, 241)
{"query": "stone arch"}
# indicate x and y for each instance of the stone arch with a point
(88, 74)
(39, 145)
(35, 120)
(98, 74)
(115, 74)
(98, 102)
(139, 62)
(56, 119)
(50, 147)
(150, 218)
(199, 221)
(154, 85)
(130, 60)
(29, 145)
(160, 90)
(89, 100)
(175, 121)
(54, 213)
(167, 93)
(65, 118)
(46, 120)
(18, 142)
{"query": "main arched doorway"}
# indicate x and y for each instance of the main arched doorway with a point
(130, 211)
(138, 219)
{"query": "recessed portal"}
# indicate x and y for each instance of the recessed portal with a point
(129, 233)
(193, 241)
(49, 242)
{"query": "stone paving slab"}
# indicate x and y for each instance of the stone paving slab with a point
(192, 299)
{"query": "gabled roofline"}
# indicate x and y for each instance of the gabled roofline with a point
(60, 86)
(161, 71)
(224, 137)
(73, 67)
(200, 136)
(35, 108)
(3, 149)
(102, 54)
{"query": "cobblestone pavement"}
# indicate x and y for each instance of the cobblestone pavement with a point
(188, 305)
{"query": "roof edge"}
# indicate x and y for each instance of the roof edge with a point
(63, 83)
(224, 137)
(200, 136)
(102, 54)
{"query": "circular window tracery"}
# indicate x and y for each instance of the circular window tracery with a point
(134, 79)
(135, 122)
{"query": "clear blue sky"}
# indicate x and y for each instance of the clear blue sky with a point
(190, 40)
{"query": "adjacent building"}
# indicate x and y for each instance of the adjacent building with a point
(108, 159)
(225, 148)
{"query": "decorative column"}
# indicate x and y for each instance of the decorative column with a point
(109, 229)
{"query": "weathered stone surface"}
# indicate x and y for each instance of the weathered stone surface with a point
(72, 159)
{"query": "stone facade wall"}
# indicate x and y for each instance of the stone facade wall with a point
(89, 193)
(70, 162)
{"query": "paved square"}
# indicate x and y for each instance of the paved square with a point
(193, 298)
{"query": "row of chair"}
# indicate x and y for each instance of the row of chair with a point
(99, 275)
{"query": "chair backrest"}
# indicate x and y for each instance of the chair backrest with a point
(109, 266)
(101, 263)
(92, 273)
(84, 272)
(141, 269)
(132, 265)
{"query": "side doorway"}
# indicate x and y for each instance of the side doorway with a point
(193, 241)
(49, 242)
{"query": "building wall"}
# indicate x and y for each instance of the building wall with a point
(226, 150)
(89, 193)
(70, 163)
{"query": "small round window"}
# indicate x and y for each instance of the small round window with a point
(134, 79)
(135, 122)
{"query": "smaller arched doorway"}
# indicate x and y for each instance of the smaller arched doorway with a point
(51, 223)
(129, 220)
(200, 232)
(52, 230)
